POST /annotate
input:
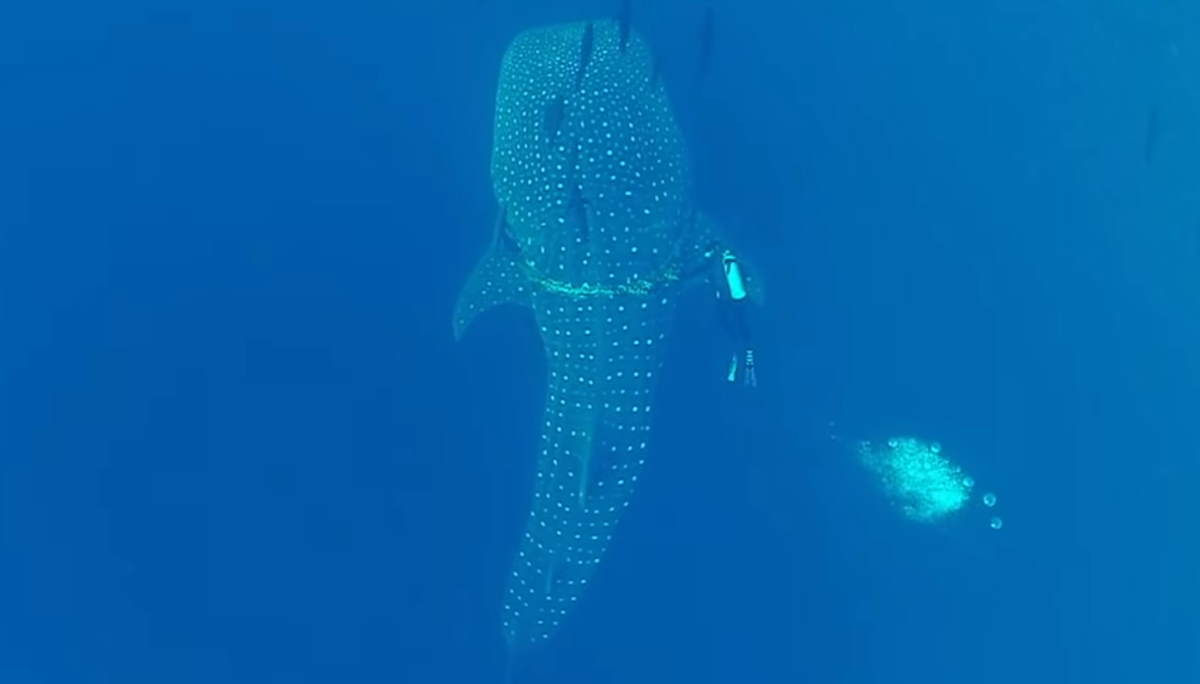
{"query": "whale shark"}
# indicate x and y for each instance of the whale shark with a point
(598, 235)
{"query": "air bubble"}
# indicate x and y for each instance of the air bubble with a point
(996, 523)
(921, 482)
(989, 499)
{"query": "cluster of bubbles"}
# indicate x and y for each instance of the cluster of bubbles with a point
(921, 480)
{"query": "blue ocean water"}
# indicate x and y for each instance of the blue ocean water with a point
(238, 443)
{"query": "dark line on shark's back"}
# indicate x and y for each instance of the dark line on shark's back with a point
(586, 47)
(552, 117)
(624, 23)
(577, 209)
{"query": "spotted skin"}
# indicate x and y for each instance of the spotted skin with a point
(599, 239)
(615, 140)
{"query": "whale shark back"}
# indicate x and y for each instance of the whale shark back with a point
(588, 160)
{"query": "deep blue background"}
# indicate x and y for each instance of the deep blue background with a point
(237, 443)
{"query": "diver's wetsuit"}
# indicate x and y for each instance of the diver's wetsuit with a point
(734, 301)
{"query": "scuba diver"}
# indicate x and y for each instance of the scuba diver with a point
(733, 302)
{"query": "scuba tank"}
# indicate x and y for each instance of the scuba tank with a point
(733, 276)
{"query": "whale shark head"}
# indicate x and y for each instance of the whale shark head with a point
(597, 235)
(594, 176)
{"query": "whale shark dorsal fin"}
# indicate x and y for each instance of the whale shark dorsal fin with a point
(496, 281)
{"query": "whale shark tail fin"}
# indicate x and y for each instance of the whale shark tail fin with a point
(496, 281)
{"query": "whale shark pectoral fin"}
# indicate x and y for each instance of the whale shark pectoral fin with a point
(496, 281)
